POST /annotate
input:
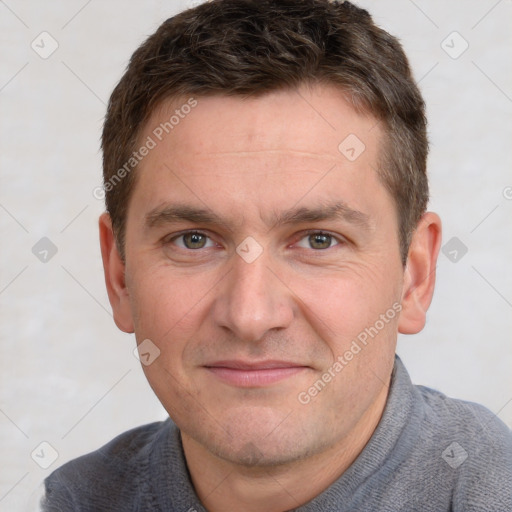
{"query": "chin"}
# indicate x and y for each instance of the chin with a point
(259, 453)
(263, 438)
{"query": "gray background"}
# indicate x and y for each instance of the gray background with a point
(68, 376)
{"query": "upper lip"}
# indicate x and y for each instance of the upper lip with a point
(253, 365)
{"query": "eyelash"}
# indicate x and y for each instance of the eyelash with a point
(340, 240)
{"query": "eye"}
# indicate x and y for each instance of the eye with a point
(318, 241)
(193, 240)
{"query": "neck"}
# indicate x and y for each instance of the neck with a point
(222, 485)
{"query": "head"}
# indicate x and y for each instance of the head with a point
(275, 218)
(249, 48)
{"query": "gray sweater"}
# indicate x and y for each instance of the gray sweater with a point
(429, 453)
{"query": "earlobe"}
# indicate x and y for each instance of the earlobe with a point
(114, 270)
(420, 274)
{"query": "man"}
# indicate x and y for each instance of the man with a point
(266, 238)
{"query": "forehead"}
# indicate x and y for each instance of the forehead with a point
(312, 120)
(268, 151)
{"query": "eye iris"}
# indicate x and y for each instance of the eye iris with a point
(320, 241)
(194, 240)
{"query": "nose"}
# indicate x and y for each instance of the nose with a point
(252, 300)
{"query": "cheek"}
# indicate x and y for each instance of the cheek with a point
(356, 316)
(345, 302)
(166, 304)
(168, 310)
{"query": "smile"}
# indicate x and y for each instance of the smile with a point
(249, 375)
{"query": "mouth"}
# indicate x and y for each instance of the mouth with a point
(251, 375)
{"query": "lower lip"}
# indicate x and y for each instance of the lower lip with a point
(253, 378)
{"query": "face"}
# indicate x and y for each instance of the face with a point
(259, 255)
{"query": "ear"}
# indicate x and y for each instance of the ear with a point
(114, 269)
(420, 274)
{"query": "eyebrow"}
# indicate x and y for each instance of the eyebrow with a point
(330, 211)
(179, 213)
(172, 213)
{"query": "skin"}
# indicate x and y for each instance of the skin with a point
(247, 161)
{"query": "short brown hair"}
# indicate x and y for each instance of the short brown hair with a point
(250, 47)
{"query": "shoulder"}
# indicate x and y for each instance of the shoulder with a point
(467, 420)
(473, 447)
(114, 470)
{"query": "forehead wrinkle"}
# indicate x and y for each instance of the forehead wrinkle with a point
(325, 156)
